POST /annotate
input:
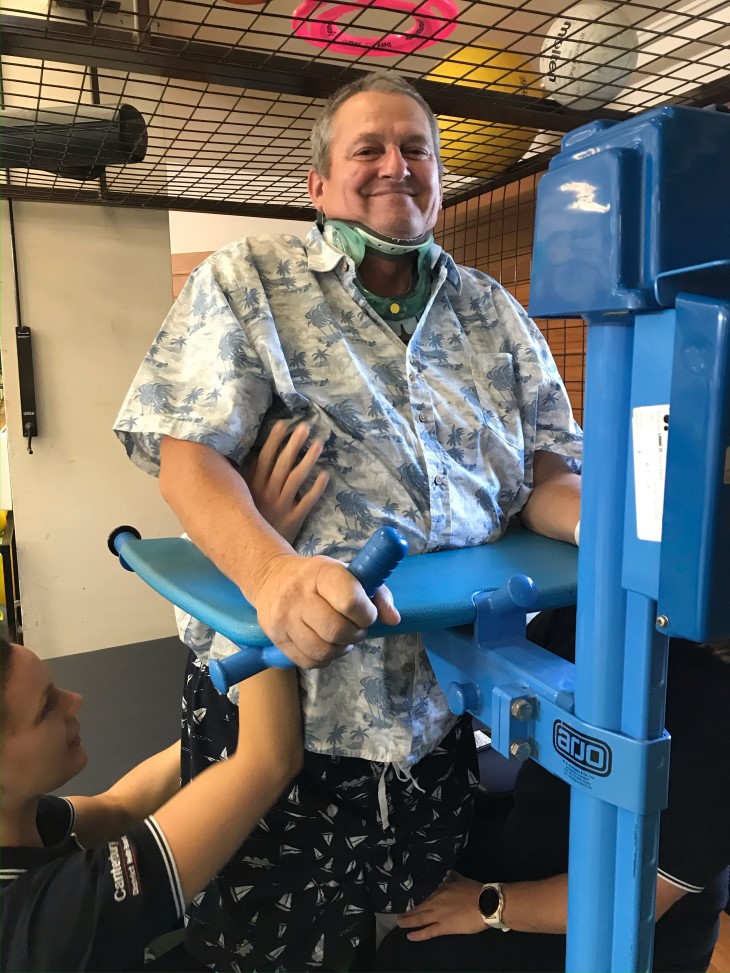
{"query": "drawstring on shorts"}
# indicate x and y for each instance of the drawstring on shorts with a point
(403, 774)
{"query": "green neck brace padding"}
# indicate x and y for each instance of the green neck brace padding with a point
(408, 305)
(353, 239)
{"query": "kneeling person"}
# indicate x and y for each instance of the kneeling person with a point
(86, 883)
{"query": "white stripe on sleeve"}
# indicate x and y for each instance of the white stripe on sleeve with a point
(170, 865)
(678, 883)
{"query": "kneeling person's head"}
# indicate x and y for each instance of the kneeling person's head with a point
(41, 744)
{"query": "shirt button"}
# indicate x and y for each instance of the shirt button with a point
(439, 480)
(422, 417)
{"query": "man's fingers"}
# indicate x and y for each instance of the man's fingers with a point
(313, 609)
(343, 612)
(333, 628)
(308, 651)
(349, 600)
(307, 647)
(383, 601)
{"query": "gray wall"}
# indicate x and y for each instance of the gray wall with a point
(131, 706)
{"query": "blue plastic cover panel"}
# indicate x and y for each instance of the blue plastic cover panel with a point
(650, 393)
(586, 255)
(695, 548)
(430, 590)
(623, 204)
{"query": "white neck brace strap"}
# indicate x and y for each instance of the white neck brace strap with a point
(354, 238)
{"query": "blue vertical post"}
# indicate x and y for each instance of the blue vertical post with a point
(618, 241)
(600, 629)
(637, 835)
(620, 662)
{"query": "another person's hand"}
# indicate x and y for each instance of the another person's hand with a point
(276, 476)
(314, 610)
(453, 909)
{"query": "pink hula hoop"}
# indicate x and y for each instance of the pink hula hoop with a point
(316, 22)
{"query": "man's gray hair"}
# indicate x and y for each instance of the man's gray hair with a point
(387, 82)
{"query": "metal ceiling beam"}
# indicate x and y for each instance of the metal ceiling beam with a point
(522, 169)
(712, 93)
(116, 49)
(156, 202)
(230, 207)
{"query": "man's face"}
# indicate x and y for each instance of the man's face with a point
(383, 167)
(41, 742)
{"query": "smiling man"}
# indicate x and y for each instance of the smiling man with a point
(441, 412)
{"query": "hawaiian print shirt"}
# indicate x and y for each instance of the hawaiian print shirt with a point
(436, 437)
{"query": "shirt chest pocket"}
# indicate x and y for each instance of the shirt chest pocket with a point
(508, 396)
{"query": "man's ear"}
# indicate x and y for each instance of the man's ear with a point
(315, 188)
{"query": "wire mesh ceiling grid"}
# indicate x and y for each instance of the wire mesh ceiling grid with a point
(184, 104)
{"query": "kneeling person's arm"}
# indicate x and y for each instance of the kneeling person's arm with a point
(210, 817)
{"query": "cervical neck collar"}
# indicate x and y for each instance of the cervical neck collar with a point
(355, 239)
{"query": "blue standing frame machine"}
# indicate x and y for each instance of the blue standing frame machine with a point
(633, 233)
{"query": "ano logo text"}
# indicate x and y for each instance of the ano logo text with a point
(585, 752)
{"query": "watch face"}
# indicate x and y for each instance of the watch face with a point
(488, 902)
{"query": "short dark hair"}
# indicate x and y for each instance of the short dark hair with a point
(388, 82)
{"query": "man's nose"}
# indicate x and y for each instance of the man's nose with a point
(393, 164)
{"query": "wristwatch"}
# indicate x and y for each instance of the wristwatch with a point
(491, 904)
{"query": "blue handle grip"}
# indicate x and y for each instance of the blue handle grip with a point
(378, 558)
(375, 562)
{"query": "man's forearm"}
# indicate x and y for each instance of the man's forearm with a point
(553, 508)
(312, 608)
(214, 505)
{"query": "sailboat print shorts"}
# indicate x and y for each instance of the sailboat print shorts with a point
(351, 838)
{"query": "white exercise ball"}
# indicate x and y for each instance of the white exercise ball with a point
(588, 54)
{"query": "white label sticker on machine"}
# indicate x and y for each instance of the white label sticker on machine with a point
(650, 427)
